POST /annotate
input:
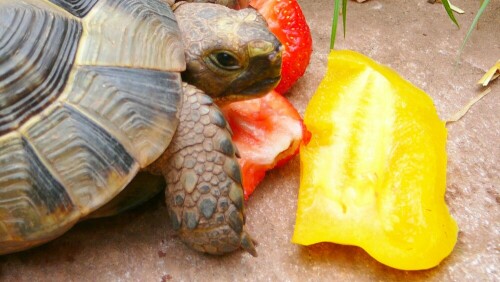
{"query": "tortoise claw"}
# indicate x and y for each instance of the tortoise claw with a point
(248, 244)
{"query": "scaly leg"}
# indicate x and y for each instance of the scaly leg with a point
(204, 189)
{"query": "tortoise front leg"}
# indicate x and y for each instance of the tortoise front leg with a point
(204, 189)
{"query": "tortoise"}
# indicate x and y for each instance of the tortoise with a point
(96, 92)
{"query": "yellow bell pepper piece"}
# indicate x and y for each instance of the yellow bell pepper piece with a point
(374, 172)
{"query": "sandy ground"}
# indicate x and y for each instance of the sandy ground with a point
(417, 40)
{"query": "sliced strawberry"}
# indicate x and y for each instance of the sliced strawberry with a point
(267, 132)
(287, 22)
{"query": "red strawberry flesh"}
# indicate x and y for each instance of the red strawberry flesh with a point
(267, 132)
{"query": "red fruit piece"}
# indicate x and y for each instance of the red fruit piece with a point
(267, 132)
(287, 22)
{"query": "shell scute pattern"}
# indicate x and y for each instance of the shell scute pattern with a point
(78, 8)
(35, 76)
(147, 37)
(142, 113)
(86, 158)
(28, 191)
(86, 100)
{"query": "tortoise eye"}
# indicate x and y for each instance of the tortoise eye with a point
(225, 60)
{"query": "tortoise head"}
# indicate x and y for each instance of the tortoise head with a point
(231, 55)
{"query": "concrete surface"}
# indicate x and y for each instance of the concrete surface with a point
(413, 37)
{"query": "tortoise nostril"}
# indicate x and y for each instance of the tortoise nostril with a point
(275, 57)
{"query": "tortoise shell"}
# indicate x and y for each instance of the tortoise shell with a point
(89, 95)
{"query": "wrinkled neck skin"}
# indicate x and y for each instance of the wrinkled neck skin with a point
(230, 54)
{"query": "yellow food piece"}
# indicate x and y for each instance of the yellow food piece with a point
(374, 172)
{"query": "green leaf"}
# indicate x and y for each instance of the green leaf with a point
(344, 14)
(336, 10)
(473, 25)
(448, 9)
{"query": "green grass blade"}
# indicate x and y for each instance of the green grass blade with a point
(344, 14)
(473, 25)
(335, 20)
(449, 11)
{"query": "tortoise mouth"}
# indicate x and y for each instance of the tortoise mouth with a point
(261, 87)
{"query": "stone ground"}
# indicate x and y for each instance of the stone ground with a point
(417, 40)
